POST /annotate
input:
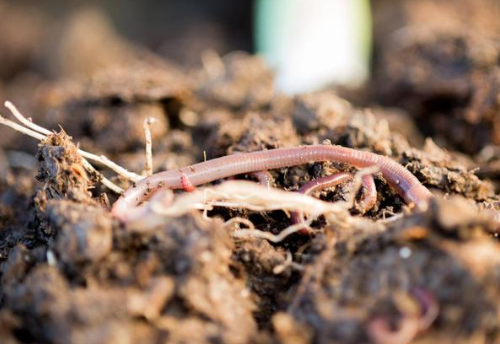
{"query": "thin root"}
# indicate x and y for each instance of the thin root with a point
(40, 133)
(131, 176)
(274, 238)
(288, 263)
(240, 221)
(148, 170)
(239, 194)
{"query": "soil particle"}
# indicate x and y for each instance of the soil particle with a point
(316, 110)
(9, 323)
(113, 102)
(254, 132)
(64, 313)
(61, 169)
(198, 255)
(84, 233)
(237, 80)
(16, 192)
(258, 261)
(444, 74)
(438, 168)
(76, 54)
(332, 118)
(479, 16)
(356, 287)
(181, 282)
(288, 330)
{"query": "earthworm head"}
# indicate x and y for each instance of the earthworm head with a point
(139, 216)
(418, 196)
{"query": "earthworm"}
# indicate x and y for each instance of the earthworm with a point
(381, 332)
(186, 183)
(369, 197)
(410, 326)
(264, 178)
(405, 183)
(367, 202)
(429, 306)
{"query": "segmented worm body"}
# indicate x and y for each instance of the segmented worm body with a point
(186, 183)
(405, 183)
(264, 178)
(368, 199)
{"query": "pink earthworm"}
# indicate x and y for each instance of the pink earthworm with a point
(368, 199)
(323, 183)
(381, 332)
(403, 181)
(264, 178)
(186, 183)
(410, 326)
(429, 306)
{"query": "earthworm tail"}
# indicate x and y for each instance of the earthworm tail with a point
(368, 199)
(264, 178)
(317, 185)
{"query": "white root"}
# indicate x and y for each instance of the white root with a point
(274, 238)
(240, 194)
(21, 129)
(148, 170)
(27, 122)
(239, 221)
(289, 263)
(243, 194)
(131, 176)
(255, 233)
(105, 181)
(40, 133)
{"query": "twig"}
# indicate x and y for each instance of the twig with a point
(21, 129)
(133, 177)
(28, 123)
(149, 149)
(105, 181)
(40, 133)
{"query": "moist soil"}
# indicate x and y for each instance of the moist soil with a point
(71, 273)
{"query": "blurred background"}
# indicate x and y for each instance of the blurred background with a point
(437, 60)
(68, 38)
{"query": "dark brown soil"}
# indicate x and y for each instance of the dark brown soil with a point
(70, 273)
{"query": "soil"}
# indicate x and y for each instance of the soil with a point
(70, 273)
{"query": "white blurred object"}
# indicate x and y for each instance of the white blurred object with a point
(314, 43)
